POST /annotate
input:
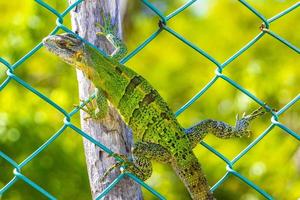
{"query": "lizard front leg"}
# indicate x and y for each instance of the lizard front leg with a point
(110, 32)
(221, 129)
(97, 109)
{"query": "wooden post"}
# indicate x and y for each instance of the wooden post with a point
(110, 131)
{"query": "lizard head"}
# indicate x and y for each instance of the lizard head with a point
(67, 47)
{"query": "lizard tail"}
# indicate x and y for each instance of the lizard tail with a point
(189, 170)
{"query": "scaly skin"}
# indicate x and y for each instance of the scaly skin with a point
(157, 134)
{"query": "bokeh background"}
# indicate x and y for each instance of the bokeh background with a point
(269, 69)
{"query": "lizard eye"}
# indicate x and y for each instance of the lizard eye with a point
(61, 43)
(71, 44)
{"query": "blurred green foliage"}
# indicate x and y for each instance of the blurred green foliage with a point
(269, 69)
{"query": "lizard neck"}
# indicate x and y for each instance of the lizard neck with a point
(88, 71)
(96, 66)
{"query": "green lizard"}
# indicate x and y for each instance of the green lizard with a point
(157, 134)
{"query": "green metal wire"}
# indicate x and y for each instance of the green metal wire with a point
(265, 29)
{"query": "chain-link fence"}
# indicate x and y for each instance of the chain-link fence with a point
(162, 26)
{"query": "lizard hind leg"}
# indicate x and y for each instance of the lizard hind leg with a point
(143, 153)
(141, 165)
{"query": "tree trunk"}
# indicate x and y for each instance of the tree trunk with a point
(111, 131)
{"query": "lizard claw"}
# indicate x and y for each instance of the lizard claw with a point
(78, 105)
(100, 33)
(244, 114)
(101, 29)
(251, 116)
(237, 117)
(125, 162)
(258, 112)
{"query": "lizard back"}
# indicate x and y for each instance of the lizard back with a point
(144, 110)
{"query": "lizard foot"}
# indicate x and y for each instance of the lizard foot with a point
(107, 27)
(126, 162)
(243, 123)
(89, 108)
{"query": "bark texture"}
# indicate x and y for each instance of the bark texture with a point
(110, 131)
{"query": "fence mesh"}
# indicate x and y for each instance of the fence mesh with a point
(162, 26)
